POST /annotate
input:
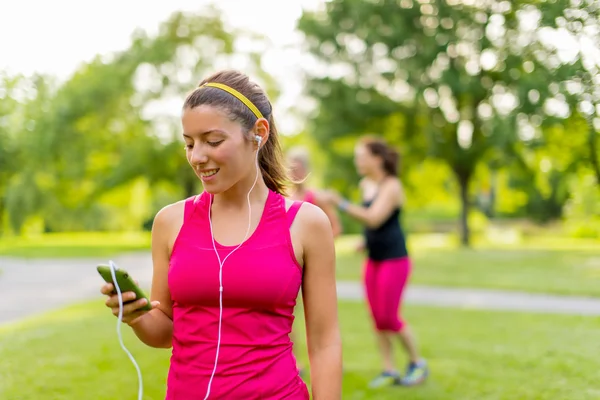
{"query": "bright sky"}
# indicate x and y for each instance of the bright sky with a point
(56, 36)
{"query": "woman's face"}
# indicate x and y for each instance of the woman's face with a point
(365, 161)
(216, 148)
(297, 170)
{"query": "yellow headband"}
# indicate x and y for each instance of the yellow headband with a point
(238, 95)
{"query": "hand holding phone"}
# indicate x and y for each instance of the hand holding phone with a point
(135, 302)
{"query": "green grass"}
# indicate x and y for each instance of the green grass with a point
(544, 265)
(75, 244)
(74, 354)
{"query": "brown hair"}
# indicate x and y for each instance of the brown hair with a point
(378, 147)
(270, 157)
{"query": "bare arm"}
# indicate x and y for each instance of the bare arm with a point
(155, 328)
(320, 305)
(388, 198)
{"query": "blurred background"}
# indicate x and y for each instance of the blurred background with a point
(493, 105)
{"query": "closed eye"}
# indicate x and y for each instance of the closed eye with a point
(215, 144)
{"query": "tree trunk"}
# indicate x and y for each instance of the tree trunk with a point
(2, 208)
(465, 234)
(493, 192)
(593, 142)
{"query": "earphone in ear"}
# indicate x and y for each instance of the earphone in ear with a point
(258, 139)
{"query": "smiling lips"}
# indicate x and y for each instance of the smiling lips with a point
(208, 172)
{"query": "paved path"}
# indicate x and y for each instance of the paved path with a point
(32, 286)
(487, 299)
(29, 287)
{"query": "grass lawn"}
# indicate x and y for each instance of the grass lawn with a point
(76, 244)
(545, 265)
(74, 354)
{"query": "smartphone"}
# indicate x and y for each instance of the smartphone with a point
(126, 284)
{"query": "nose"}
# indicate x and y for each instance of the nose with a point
(198, 155)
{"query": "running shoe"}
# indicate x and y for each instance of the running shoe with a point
(416, 373)
(386, 378)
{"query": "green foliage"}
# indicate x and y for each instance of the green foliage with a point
(460, 82)
(484, 112)
(88, 154)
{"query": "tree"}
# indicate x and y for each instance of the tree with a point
(582, 22)
(25, 100)
(10, 112)
(471, 78)
(105, 129)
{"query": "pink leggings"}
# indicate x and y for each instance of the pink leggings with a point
(384, 283)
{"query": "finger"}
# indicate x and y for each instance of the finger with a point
(134, 306)
(130, 309)
(128, 296)
(107, 288)
(113, 301)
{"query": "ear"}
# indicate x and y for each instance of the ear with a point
(261, 128)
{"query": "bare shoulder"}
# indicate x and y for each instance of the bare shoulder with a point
(391, 191)
(313, 217)
(310, 216)
(315, 230)
(392, 184)
(311, 232)
(167, 224)
(169, 215)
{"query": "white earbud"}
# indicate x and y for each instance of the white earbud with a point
(258, 139)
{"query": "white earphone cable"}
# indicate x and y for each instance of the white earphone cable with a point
(113, 267)
(221, 267)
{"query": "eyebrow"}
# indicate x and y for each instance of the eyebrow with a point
(206, 133)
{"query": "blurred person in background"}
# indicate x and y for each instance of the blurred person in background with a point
(299, 166)
(230, 336)
(388, 266)
(298, 161)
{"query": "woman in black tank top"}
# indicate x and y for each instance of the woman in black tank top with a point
(387, 266)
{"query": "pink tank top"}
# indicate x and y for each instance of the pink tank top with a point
(309, 197)
(261, 281)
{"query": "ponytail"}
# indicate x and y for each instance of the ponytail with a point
(271, 162)
(389, 156)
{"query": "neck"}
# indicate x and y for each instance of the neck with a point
(237, 196)
(377, 176)
(298, 188)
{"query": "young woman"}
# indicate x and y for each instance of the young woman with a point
(299, 166)
(388, 265)
(229, 262)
